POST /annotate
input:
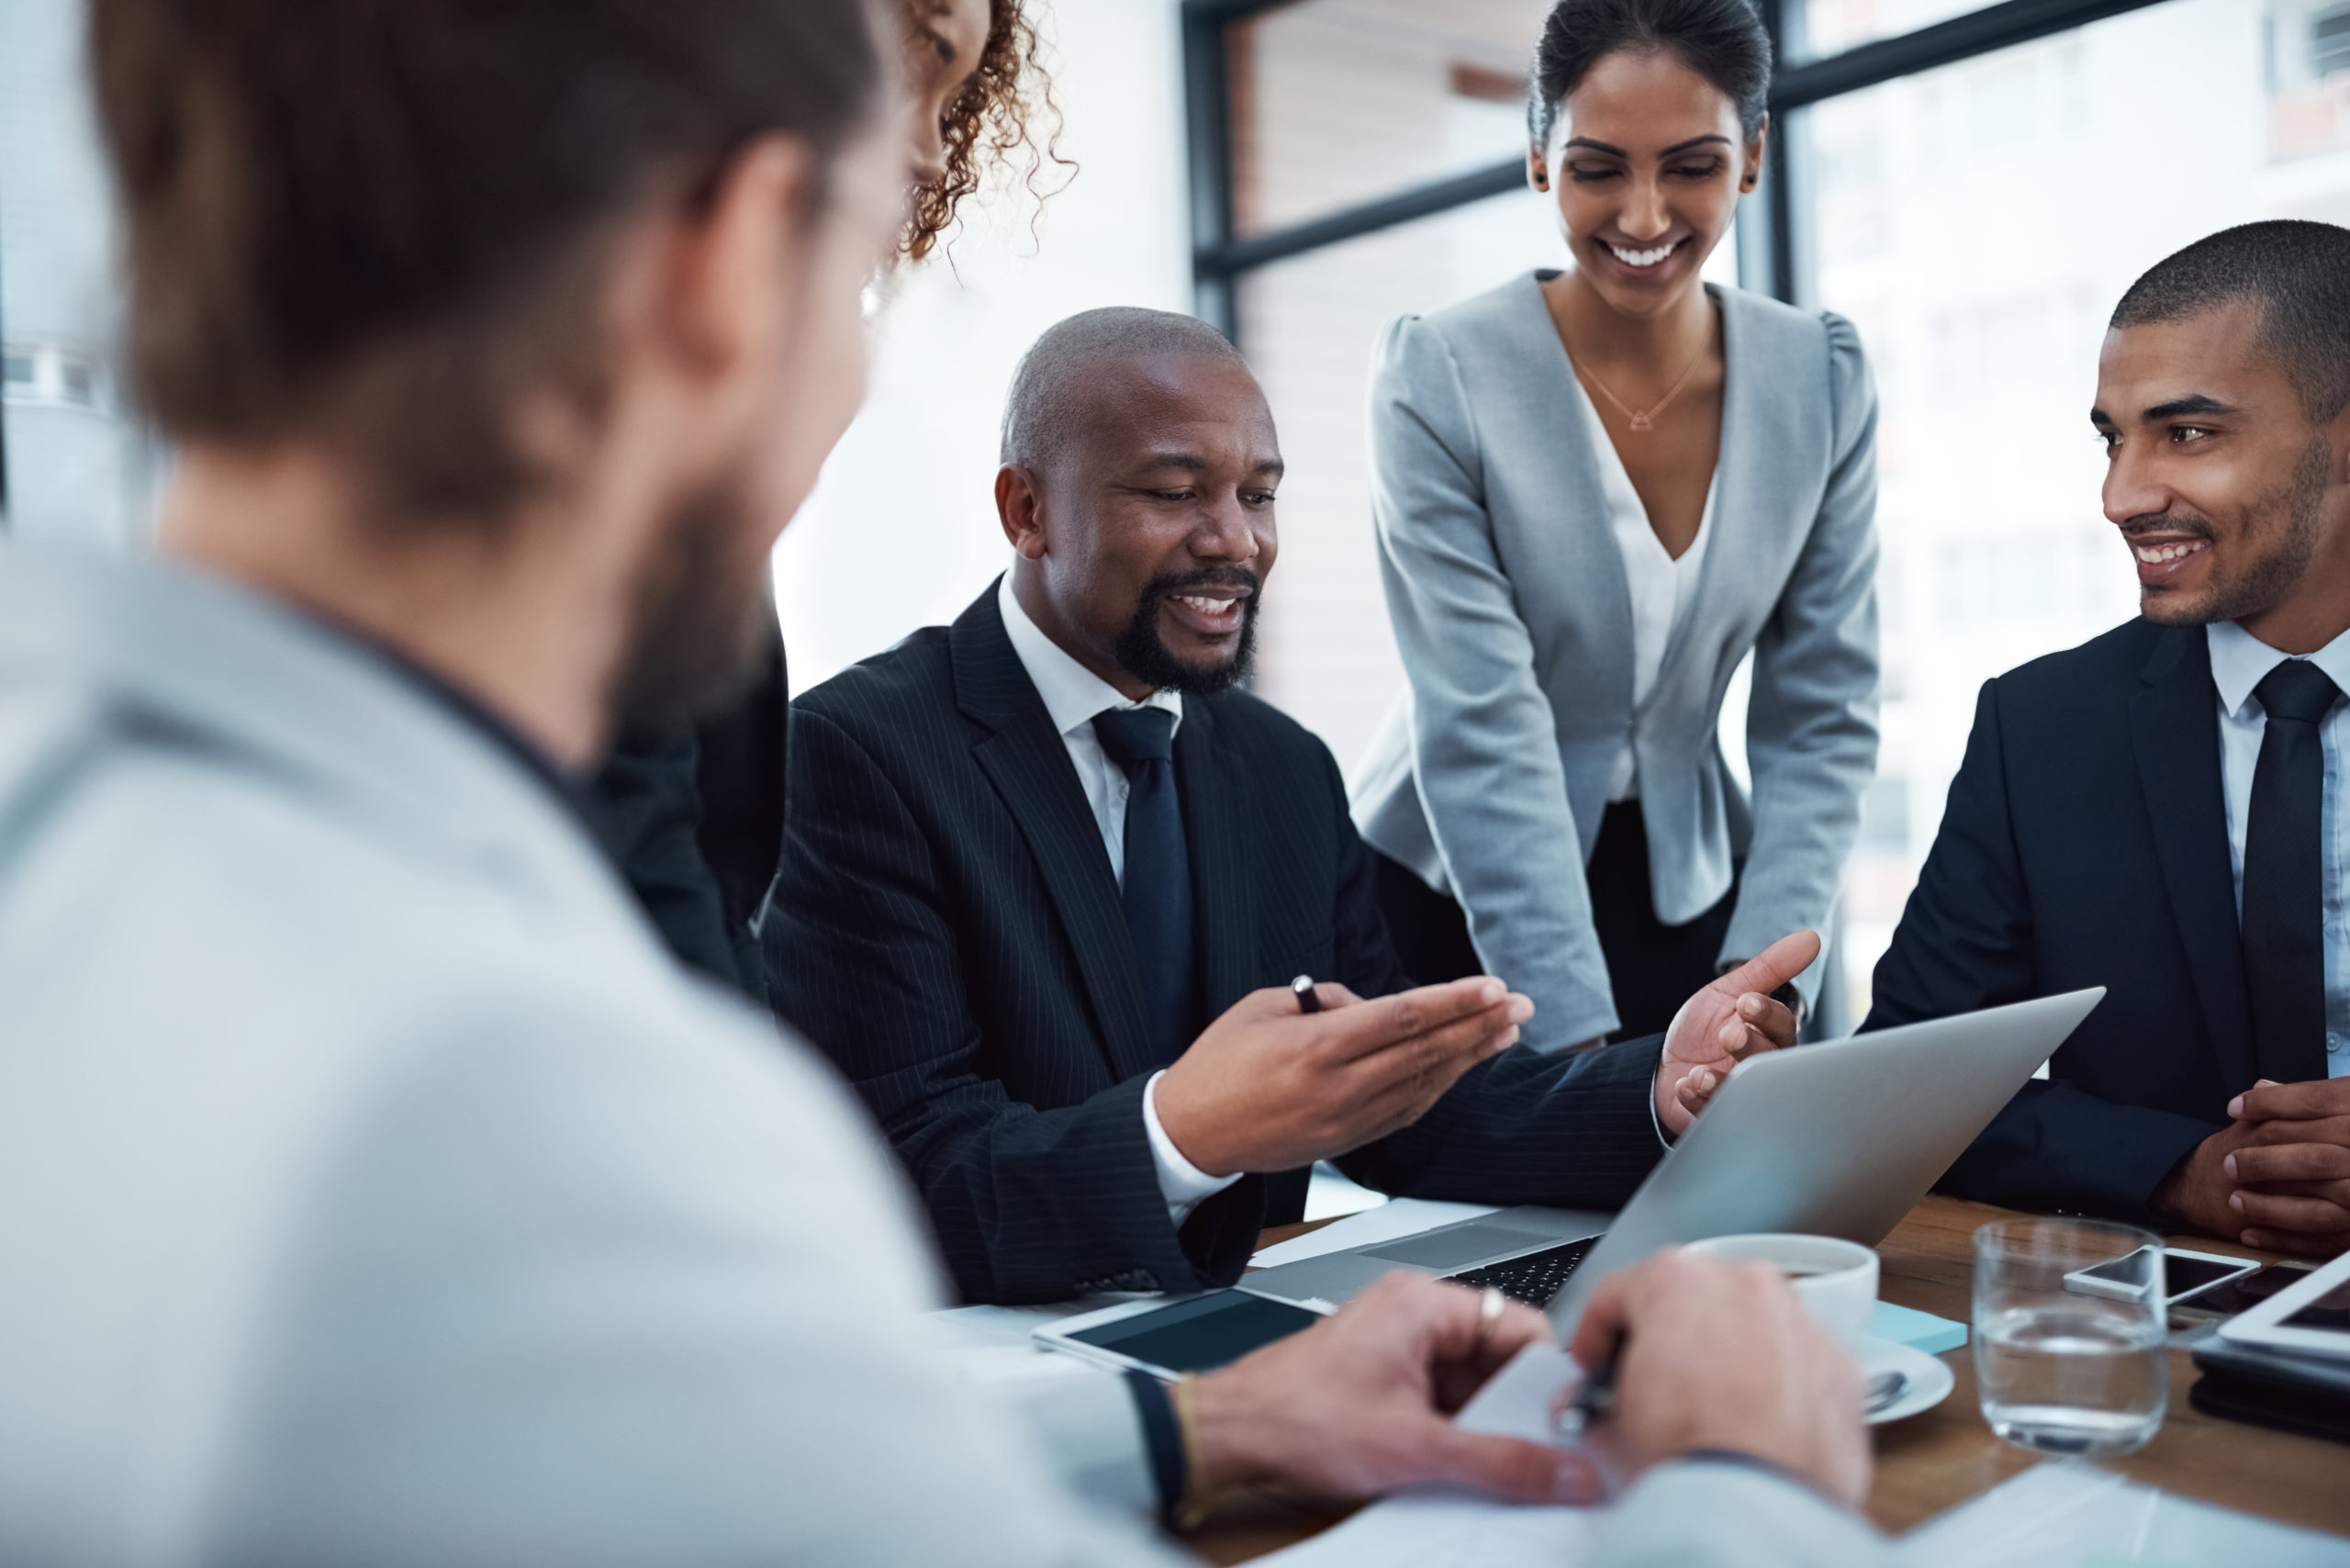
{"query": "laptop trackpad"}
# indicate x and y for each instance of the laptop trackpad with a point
(1452, 1248)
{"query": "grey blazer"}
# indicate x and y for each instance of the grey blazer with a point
(1509, 601)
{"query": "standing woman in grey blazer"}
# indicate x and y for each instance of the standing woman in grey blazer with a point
(1596, 492)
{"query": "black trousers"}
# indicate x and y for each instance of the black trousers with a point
(1652, 967)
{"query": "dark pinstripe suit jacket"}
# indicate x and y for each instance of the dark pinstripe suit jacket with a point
(946, 926)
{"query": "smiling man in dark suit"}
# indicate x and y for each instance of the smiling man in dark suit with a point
(1048, 867)
(2160, 812)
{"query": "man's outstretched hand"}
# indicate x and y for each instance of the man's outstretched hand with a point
(1270, 1088)
(1726, 1022)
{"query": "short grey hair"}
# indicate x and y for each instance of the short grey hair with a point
(1046, 405)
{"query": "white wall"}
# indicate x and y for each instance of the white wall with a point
(901, 531)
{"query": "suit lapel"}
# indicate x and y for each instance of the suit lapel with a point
(2175, 727)
(1026, 761)
(1224, 861)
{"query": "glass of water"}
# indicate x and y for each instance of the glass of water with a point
(2069, 1330)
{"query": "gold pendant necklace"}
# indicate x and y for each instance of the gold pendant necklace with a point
(1641, 419)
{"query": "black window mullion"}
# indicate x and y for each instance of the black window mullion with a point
(4, 523)
(1986, 31)
(1207, 104)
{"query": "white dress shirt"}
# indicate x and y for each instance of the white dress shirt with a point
(1663, 588)
(2240, 662)
(1073, 695)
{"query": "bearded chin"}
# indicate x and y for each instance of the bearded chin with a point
(702, 621)
(2268, 579)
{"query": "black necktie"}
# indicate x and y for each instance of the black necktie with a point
(1158, 883)
(2283, 925)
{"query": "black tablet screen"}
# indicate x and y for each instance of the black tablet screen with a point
(1200, 1335)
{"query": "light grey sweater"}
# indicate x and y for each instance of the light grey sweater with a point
(375, 1190)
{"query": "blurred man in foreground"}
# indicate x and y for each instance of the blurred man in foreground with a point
(373, 1188)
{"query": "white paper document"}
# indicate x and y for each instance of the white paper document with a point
(1524, 1398)
(992, 1344)
(1438, 1529)
(1445, 1530)
(2068, 1513)
(1398, 1216)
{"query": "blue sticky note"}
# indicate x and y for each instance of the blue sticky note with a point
(1922, 1330)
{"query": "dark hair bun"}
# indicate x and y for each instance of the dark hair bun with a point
(1722, 40)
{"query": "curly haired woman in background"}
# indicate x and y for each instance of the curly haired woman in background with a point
(694, 818)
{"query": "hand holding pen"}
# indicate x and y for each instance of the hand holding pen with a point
(1694, 1357)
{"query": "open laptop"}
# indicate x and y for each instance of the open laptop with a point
(1834, 1139)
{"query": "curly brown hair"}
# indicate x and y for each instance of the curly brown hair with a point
(1007, 105)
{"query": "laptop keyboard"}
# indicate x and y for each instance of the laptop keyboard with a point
(1533, 1278)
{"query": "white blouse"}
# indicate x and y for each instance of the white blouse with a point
(1663, 589)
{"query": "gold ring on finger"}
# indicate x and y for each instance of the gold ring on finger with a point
(1489, 1312)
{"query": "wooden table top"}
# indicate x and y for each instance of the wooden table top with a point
(1931, 1461)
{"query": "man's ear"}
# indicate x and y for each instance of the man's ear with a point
(1020, 508)
(734, 257)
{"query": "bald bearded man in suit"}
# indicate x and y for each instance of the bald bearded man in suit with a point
(1048, 871)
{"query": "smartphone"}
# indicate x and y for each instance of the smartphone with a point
(2244, 1293)
(2185, 1275)
(1174, 1339)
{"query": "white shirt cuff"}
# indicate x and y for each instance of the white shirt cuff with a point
(1183, 1184)
(1654, 1120)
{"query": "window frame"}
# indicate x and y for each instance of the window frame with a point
(7, 525)
(1774, 233)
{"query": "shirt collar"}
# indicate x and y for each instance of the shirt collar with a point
(2240, 661)
(462, 705)
(1072, 693)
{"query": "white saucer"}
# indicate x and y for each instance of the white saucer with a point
(1930, 1379)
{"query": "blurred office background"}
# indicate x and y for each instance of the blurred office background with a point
(1973, 186)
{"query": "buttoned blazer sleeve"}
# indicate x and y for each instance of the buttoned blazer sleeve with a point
(1811, 732)
(1485, 745)
(863, 954)
(1966, 941)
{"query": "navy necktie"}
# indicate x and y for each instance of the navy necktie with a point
(1157, 888)
(2284, 920)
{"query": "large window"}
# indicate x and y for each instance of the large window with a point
(1973, 186)
(71, 464)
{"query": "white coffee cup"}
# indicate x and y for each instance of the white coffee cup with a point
(1835, 1280)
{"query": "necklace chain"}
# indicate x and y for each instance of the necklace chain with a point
(1641, 419)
